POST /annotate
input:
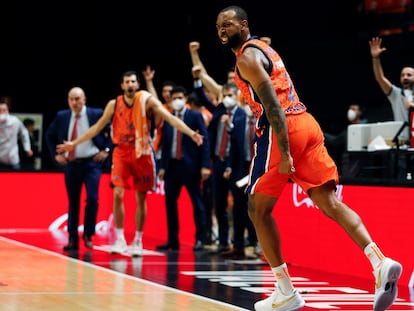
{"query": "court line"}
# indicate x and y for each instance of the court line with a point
(126, 276)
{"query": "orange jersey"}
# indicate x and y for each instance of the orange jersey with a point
(283, 85)
(130, 125)
(133, 156)
(313, 164)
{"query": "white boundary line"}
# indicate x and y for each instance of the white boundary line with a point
(138, 279)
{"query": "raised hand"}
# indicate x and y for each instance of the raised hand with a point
(194, 46)
(148, 73)
(375, 46)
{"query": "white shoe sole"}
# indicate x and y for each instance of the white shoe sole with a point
(137, 253)
(386, 295)
(291, 303)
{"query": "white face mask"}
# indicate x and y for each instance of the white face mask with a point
(352, 115)
(249, 112)
(178, 104)
(229, 102)
(3, 117)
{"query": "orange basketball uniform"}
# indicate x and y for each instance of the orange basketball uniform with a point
(133, 155)
(311, 160)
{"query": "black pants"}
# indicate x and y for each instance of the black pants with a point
(77, 174)
(177, 177)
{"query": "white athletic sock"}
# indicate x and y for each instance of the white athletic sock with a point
(119, 232)
(374, 254)
(283, 278)
(138, 236)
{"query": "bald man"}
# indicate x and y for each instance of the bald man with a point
(84, 166)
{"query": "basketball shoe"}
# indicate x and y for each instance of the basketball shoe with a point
(119, 247)
(280, 302)
(136, 249)
(386, 289)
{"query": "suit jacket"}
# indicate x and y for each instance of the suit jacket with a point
(58, 130)
(216, 111)
(194, 157)
(237, 154)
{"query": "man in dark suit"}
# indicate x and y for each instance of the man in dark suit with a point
(217, 128)
(183, 163)
(237, 166)
(84, 166)
(230, 163)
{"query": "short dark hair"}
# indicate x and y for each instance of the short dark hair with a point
(240, 12)
(28, 121)
(231, 86)
(179, 89)
(6, 100)
(194, 99)
(129, 73)
(168, 83)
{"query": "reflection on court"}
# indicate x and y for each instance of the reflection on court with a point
(36, 279)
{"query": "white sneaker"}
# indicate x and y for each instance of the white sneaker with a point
(136, 249)
(279, 302)
(386, 288)
(119, 247)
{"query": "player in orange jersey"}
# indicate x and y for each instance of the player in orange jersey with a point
(290, 144)
(133, 155)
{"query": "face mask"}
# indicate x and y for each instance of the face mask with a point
(3, 117)
(249, 112)
(229, 102)
(178, 104)
(352, 115)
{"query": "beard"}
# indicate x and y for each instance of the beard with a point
(130, 92)
(234, 40)
(407, 84)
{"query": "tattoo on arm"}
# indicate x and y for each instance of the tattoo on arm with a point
(275, 114)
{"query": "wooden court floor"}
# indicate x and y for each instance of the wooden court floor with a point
(35, 274)
(37, 279)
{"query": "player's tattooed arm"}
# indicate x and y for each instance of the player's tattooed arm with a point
(275, 115)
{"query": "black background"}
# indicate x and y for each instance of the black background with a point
(48, 47)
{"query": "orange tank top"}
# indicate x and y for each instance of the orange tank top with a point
(281, 81)
(130, 125)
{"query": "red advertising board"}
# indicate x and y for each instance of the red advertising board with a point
(38, 201)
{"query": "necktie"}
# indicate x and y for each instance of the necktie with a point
(224, 140)
(74, 135)
(178, 152)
